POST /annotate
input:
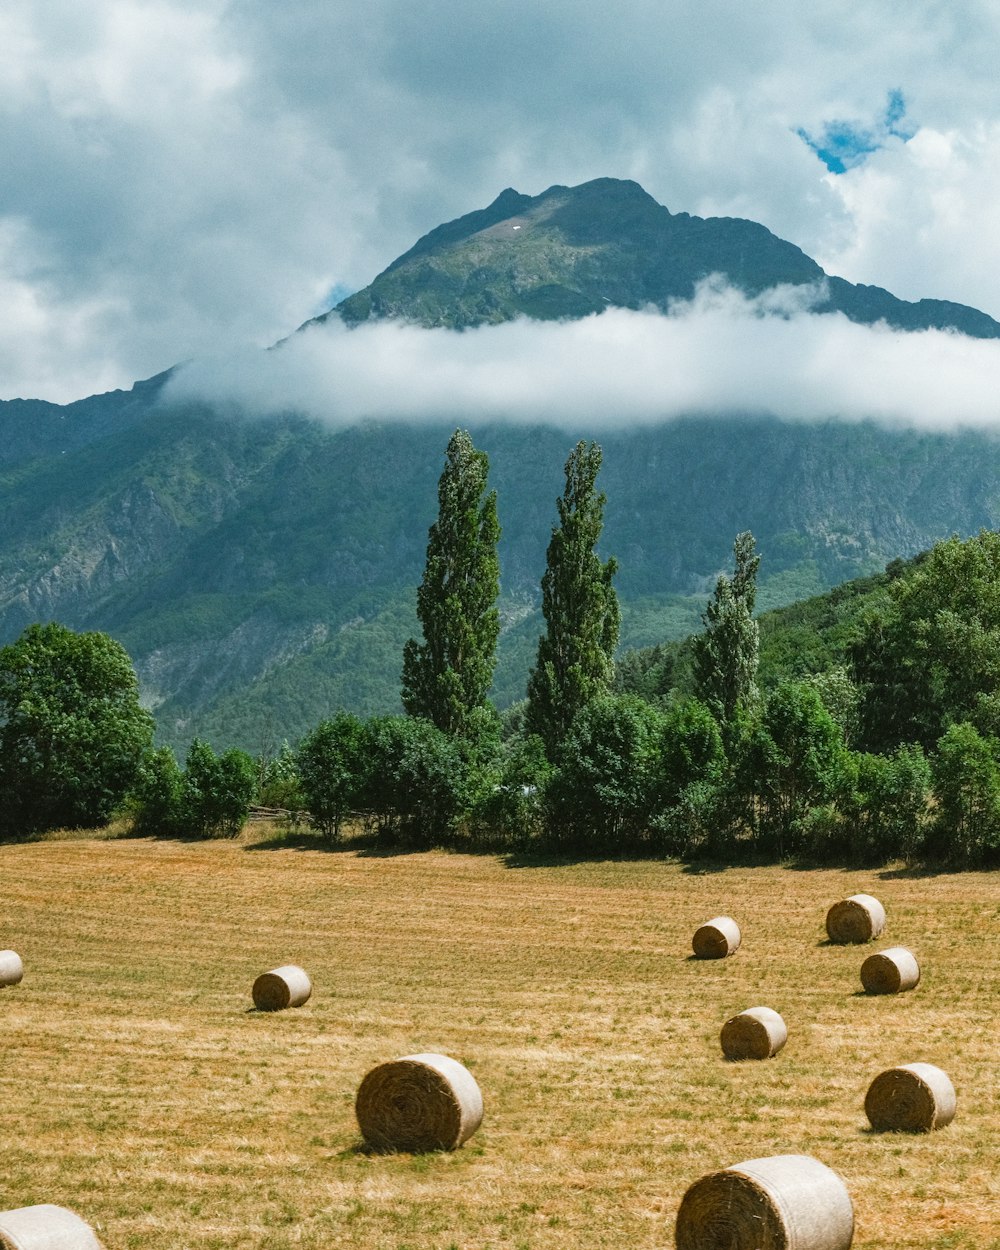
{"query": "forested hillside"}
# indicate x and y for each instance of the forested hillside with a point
(262, 571)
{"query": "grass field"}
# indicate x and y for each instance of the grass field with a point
(138, 1087)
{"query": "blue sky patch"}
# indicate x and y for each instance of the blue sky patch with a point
(843, 145)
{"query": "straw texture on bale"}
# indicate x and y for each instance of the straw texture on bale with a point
(45, 1227)
(855, 920)
(913, 1098)
(717, 938)
(419, 1103)
(11, 968)
(890, 971)
(757, 1033)
(288, 986)
(786, 1202)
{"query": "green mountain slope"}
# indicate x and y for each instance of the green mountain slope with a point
(800, 639)
(262, 572)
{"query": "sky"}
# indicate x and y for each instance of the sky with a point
(189, 180)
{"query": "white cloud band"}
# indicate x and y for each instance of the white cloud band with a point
(720, 354)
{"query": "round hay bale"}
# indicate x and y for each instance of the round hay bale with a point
(913, 1098)
(786, 1202)
(757, 1033)
(288, 986)
(855, 920)
(11, 968)
(419, 1103)
(890, 971)
(45, 1227)
(717, 938)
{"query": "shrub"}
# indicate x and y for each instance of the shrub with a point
(510, 811)
(217, 791)
(157, 798)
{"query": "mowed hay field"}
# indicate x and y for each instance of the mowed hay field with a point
(138, 1087)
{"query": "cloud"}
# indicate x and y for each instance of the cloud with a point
(187, 176)
(721, 353)
(924, 214)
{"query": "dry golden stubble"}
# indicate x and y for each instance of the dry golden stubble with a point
(143, 1093)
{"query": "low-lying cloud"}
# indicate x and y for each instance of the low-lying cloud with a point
(720, 354)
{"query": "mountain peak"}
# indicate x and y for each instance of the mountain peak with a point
(573, 251)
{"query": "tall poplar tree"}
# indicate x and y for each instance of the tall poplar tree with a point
(726, 653)
(575, 661)
(448, 675)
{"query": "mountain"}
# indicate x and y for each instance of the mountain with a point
(261, 572)
(576, 250)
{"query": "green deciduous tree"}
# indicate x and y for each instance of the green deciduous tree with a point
(72, 731)
(278, 780)
(158, 795)
(217, 791)
(604, 789)
(691, 750)
(510, 810)
(792, 759)
(884, 808)
(448, 676)
(333, 768)
(417, 780)
(933, 657)
(575, 661)
(966, 774)
(726, 653)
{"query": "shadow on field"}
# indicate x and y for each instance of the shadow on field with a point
(375, 850)
(919, 873)
(295, 840)
(705, 868)
(363, 845)
(559, 859)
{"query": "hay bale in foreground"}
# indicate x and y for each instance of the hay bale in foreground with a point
(288, 986)
(855, 920)
(890, 971)
(757, 1033)
(913, 1098)
(11, 968)
(419, 1103)
(786, 1202)
(717, 938)
(45, 1227)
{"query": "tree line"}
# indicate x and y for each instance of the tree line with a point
(895, 755)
